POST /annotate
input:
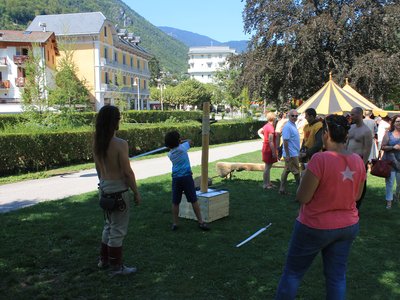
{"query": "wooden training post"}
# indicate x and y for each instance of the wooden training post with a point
(205, 134)
(214, 204)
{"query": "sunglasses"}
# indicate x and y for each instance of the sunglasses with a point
(294, 116)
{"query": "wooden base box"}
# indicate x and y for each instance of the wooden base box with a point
(214, 205)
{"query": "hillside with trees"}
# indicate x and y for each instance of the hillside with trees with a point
(171, 53)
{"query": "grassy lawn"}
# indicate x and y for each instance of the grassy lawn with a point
(49, 251)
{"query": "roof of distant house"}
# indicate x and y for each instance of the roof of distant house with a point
(211, 49)
(25, 36)
(69, 24)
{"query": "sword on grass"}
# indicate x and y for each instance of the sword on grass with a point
(253, 235)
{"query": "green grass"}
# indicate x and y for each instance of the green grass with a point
(49, 251)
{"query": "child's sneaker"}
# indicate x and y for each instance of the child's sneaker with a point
(204, 226)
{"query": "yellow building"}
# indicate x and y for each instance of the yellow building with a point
(110, 60)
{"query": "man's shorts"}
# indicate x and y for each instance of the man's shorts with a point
(183, 184)
(292, 165)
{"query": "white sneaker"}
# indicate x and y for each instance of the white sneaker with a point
(123, 270)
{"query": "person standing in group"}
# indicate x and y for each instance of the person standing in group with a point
(312, 142)
(290, 151)
(383, 127)
(269, 150)
(370, 123)
(182, 179)
(391, 148)
(359, 141)
(278, 132)
(111, 158)
(328, 217)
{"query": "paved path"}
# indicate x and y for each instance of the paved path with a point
(21, 194)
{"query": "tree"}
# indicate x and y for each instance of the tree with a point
(297, 43)
(34, 96)
(70, 94)
(192, 92)
(155, 71)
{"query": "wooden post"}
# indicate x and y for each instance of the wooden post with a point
(205, 133)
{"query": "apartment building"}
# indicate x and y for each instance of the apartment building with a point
(111, 60)
(205, 61)
(14, 49)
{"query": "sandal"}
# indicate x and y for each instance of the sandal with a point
(203, 226)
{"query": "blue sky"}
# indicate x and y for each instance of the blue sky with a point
(220, 20)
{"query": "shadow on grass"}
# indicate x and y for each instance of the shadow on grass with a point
(50, 250)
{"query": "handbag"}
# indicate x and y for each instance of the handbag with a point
(111, 202)
(381, 167)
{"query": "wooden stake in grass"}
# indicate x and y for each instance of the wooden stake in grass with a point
(205, 132)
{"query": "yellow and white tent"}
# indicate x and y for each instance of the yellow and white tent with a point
(376, 110)
(331, 99)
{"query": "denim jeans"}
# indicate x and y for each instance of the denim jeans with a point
(389, 185)
(305, 244)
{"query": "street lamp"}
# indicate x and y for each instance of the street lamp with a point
(161, 87)
(137, 102)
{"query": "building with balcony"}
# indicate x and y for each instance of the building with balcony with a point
(113, 64)
(205, 61)
(14, 49)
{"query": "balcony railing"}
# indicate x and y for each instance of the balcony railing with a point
(20, 59)
(3, 61)
(20, 81)
(5, 84)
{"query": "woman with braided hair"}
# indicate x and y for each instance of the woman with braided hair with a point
(116, 177)
(328, 217)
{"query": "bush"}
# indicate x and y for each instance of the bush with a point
(88, 118)
(40, 151)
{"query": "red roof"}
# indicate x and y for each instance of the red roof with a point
(25, 36)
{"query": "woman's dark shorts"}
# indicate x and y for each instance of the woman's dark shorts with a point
(183, 184)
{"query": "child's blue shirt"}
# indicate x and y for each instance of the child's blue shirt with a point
(180, 160)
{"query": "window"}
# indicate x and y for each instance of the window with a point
(115, 80)
(106, 53)
(105, 30)
(123, 59)
(131, 62)
(138, 64)
(115, 56)
(209, 65)
(124, 80)
(145, 84)
(48, 55)
(202, 56)
(132, 80)
(1, 76)
(106, 79)
(52, 59)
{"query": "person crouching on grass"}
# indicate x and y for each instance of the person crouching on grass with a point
(182, 180)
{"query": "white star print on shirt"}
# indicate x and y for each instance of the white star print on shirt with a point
(347, 174)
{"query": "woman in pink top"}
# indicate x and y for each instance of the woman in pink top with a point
(269, 151)
(328, 217)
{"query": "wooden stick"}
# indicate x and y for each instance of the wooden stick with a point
(205, 132)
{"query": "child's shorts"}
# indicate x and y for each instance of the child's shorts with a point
(183, 184)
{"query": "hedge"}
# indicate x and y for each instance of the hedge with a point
(34, 152)
(132, 116)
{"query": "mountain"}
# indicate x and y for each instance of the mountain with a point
(192, 39)
(171, 53)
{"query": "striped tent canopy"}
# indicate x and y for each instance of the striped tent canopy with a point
(331, 99)
(376, 110)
